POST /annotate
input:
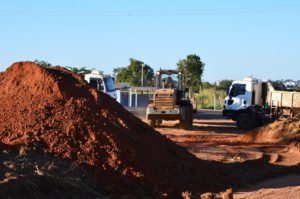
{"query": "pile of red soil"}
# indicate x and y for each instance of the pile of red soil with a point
(46, 187)
(54, 110)
(285, 131)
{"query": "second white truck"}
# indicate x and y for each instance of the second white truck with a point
(251, 102)
(102, 82)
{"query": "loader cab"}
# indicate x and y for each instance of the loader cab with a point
(169, 79)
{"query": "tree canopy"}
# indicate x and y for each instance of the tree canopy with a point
(193, 68)
(224, 84)
(80, 70)
(133, 73)
(42, 63)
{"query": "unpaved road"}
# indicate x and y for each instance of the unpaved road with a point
(278, 188)
(214, 137)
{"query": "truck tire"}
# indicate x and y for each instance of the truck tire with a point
(245, 121)
(187, 122)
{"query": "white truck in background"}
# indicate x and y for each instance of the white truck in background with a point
(102, 82)
(251, 102)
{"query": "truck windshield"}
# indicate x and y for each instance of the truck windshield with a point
(169, 81)
(109, 84)
(237, 89)
(96, 83)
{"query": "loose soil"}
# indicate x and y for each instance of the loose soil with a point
(285, 131)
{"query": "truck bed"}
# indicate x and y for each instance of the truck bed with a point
(284, 99)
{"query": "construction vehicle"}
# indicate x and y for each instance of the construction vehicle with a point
(102, 82)
(170, 100)
(193, 102)
(252, 102)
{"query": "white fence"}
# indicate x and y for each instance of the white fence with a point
(135, 97)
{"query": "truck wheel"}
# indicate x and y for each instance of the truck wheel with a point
(245, 121)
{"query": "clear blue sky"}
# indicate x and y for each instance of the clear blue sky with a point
(235, 38)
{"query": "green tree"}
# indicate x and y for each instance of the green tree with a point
(224, 84)
(133, 73)
(42, 63)
(206, 84)
(80, 70)
(193, 68)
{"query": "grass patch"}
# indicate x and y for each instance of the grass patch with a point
(205, 99)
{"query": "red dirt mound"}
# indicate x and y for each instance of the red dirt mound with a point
(46, 187)
(56, 111)
(280, 131)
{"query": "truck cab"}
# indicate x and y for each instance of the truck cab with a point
(243, 94)
(102, 82)
(243, 97)
(251, 102)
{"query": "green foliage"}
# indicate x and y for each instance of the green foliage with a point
(133, 73)
(297, 88)
(205, 99)
(80, 70)
(42, 63)
(224, 84)
(193, 68)
(207, 85)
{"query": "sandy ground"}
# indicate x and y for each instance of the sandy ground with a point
(214, 137)
(279, 188)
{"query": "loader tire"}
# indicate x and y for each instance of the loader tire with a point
(187, 122)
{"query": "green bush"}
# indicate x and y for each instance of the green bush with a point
(205, 99)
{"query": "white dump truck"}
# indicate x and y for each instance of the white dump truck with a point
(251, 102)
(102, 82)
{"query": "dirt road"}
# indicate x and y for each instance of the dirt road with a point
(214, 137)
